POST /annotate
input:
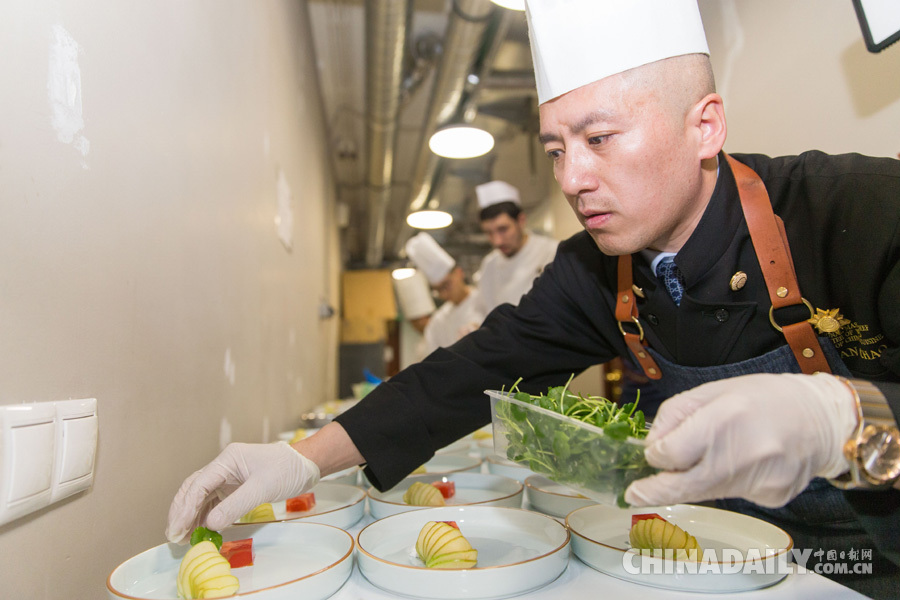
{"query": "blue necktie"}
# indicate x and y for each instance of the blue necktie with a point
(671, 275)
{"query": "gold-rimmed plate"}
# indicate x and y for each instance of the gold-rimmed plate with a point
(518, 551)
(739, 552)
(291, 560)
(337, 504)
(553, 498)
(471, 489)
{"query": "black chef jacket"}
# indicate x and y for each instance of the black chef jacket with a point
(842, 216)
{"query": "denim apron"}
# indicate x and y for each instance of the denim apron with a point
(819, 519)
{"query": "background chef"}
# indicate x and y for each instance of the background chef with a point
(416, 306)
(461, 311)
(518, 255)
(635, 130)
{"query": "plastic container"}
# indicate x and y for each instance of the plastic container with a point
(566, 450)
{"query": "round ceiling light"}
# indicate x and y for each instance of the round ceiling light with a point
(510, 4)
(402, 273)
(461, 141)
(429, 219)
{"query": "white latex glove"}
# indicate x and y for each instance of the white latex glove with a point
(759, 437)
(242, 477)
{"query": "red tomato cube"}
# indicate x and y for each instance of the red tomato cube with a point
(300, 503)
(636, 518)
(447, 488)
(239, 553)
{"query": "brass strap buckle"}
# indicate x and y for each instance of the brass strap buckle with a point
(636, 322)
(812, 313)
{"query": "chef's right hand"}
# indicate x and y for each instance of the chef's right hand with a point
(760, 437)
(241, 478)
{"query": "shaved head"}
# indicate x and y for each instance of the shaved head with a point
(679, 81)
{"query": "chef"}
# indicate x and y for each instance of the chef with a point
(518, 255)
(461, 311)
(416, 306)
(693, 261)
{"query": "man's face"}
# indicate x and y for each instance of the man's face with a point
(505, 233)
(627, 165)
(452, 288)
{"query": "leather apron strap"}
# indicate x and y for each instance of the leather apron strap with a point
(627, 314)
(773, 253)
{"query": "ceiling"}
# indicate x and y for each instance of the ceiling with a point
(391, 72)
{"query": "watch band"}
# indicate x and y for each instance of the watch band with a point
(873, 450)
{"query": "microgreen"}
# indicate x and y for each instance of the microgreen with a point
(564, 450)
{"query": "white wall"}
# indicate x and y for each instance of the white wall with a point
(140, 149)
(795, 75)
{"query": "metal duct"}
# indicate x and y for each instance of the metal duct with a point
(387, 27)
(462, 42)
(471, 36)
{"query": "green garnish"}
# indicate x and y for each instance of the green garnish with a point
(570, 454)
(202, 534)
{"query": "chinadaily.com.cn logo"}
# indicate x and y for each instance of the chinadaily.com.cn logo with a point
(730, 560)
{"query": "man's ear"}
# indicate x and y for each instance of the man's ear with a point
(521, 219)
(707, 117)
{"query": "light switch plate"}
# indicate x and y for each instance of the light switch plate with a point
(76, 447)
(47, 452)
(27, 440)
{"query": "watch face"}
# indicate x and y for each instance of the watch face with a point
(879, 453)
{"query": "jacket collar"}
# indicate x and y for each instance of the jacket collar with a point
(716, 229)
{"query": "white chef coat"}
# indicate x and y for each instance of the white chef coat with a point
(452, 321)
(501, 279)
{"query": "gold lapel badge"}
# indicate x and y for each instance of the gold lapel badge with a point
(737, 281)
(829, 320)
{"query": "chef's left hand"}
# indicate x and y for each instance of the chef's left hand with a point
(760, 437)
(241, 477)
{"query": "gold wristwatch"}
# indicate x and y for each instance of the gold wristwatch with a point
(873, 450)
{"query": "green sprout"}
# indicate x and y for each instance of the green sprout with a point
(568, 453)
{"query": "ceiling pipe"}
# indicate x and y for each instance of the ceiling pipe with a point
(471, 41)
(462, 41)
(387, 28)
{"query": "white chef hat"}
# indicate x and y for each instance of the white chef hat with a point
(414, 296)
(495, 192)
(577, 42)
(428, 256)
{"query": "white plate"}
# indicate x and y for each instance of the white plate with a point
(518, 551)
(458, 447)
(446, 463)
(287, 436)
(453, 463)
(292, 560)
(475, 445)
(503, 466)
(733, 544)
(337, 504)
(349, 476)
(471, 488)
(553, 498)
